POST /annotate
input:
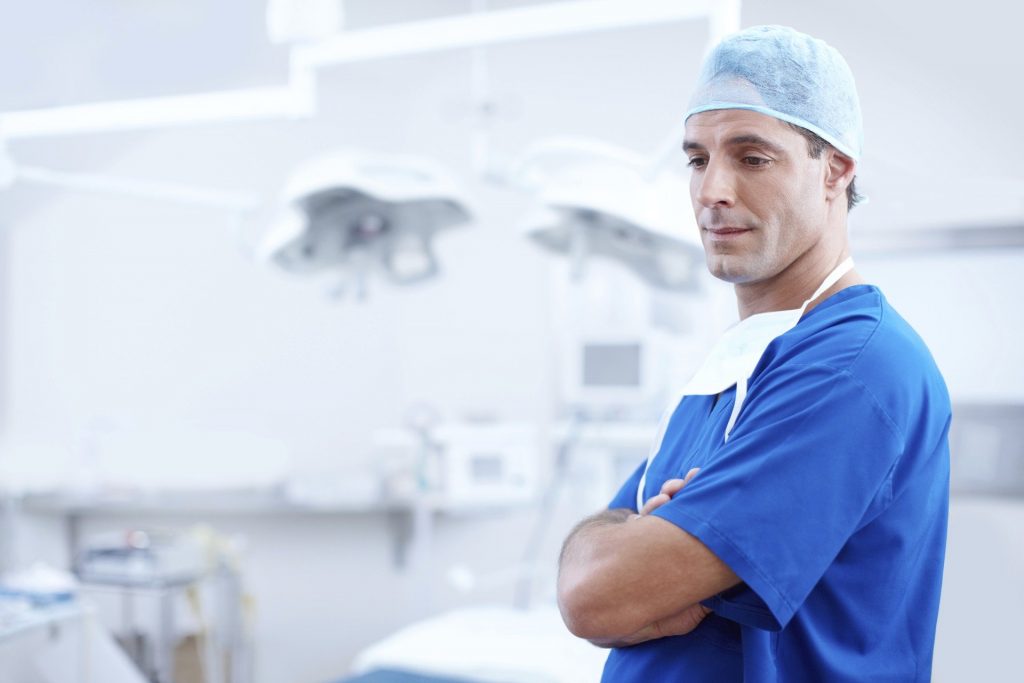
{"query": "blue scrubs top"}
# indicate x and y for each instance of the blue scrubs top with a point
(829, 501)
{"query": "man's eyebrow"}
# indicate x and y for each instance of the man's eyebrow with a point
(746, 139)
(751, 139)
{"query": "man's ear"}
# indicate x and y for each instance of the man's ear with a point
(839, 173)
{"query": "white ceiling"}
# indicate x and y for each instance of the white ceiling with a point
(940, 89)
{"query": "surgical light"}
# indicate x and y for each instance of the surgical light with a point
(604, 204)
(361, 213)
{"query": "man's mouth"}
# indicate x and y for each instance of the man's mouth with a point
(726, 232)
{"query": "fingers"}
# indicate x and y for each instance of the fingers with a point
(682, 623)
(654, 502)
(674, 486)
(668, 489)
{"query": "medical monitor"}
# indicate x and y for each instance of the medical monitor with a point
(608, 373)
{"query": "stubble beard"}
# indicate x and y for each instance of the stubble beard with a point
(739, 267)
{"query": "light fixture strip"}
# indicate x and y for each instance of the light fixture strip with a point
(236, 105)
(497, 26)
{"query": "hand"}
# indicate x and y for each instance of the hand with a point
(676, 625)
(668, 489)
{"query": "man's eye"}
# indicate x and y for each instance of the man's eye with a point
(755, 161)
(696, 162)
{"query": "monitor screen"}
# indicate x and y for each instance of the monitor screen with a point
(611, 365)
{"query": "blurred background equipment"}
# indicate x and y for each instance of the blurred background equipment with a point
(460, 464)
(361, 214)
(600, 201)
(616, 375)
(986, 443)
(174, 600)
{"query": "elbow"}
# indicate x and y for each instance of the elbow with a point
(588, 614)
(580, 622)
(574, 613)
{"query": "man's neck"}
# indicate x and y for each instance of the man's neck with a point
(789, 289)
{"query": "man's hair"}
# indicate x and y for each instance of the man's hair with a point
(816, 145)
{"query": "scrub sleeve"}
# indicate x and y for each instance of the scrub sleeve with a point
(809, 462)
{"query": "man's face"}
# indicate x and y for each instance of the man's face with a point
(758, 197)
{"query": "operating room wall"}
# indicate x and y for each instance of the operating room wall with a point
(964, 305)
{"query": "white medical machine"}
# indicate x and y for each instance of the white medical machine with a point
(460, 464)
(603, 372)
(489, 462)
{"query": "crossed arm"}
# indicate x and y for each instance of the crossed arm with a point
(626, 578)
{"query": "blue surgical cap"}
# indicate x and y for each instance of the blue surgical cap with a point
(780, 72)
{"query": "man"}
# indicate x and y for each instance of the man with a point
(791, 523)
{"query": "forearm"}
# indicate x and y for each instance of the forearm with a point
(601, 577)
(624, 578)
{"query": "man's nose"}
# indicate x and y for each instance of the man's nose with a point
(714, 185)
